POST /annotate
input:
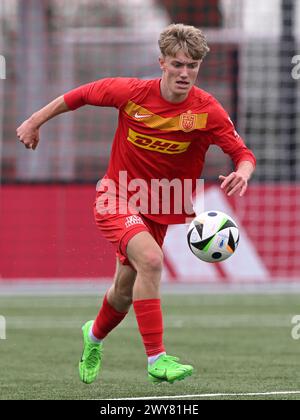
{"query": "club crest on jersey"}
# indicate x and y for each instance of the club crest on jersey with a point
(188, 121)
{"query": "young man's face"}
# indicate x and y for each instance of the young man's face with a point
(179, 75)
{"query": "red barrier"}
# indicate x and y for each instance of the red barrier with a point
(48, 231)
(271, 215)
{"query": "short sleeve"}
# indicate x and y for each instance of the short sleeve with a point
(110, 92)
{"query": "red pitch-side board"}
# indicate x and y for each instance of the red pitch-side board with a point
(48, 232)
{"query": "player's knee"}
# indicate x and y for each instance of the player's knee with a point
(151, 261)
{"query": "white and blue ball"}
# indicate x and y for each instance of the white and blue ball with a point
(213, 236)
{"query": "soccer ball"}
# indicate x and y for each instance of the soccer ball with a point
(213, 236)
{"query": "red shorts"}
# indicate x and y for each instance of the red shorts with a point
(119, 229)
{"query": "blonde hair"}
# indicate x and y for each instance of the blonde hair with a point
(183, 37)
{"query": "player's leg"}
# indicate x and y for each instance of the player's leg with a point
(114, 308)
(146, 257)
(120, 293)
(116, 303)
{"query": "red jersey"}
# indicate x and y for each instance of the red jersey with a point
(157, 139)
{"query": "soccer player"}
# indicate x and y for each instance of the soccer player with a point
(165, 128)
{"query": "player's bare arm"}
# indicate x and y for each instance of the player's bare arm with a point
(28, 132)
(237, 182)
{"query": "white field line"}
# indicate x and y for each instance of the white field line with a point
(184, 321)
(199, 301)
(90, 287)
(249, 394)
(29, 303)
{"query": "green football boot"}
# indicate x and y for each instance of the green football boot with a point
(167, 369)
(90, 363)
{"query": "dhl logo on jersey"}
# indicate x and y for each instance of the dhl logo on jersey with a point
(156, 144)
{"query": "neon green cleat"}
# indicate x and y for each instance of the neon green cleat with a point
(167, 369)
(90, 363)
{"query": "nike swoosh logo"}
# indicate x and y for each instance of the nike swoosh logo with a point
(141, 116)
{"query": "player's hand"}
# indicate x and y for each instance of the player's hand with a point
(28, 134)
(234, 183)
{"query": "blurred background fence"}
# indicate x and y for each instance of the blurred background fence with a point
(51, 46)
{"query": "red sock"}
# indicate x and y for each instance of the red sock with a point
(107, 319)
(149, 318)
